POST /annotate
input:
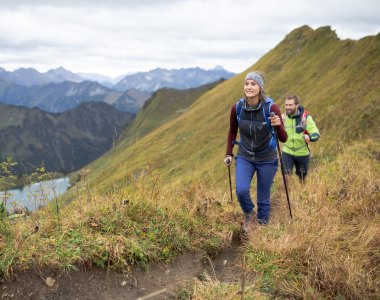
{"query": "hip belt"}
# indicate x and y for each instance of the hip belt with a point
(253, 153)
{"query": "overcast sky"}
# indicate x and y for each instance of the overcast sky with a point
(114, 37)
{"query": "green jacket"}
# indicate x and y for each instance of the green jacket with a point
(295, 145)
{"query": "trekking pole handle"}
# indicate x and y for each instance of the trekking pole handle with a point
(272, 114)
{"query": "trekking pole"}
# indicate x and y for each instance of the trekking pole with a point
(282, 169)
(308, 148)
(229, 176)
(311, 156)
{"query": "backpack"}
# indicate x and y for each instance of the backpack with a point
(266, 112)
(304, 121)
(301, 127)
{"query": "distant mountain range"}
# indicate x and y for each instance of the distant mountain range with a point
(62, 96)
(59, 90)
(63, 142)
(177, 79)
(69, 140)
(30, 76)
(66, 121)
(144, 81)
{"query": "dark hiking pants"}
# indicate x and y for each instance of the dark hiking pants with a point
(301, 163)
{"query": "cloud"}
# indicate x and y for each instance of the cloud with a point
(115, 37)
(84, 3)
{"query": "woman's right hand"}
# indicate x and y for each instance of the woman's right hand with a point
(275, 120)
(228, 160)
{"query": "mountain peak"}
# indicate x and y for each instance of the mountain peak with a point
(218, 68)
(59, 70)
(326, 31)
(23, 70)
(61, 74)
(306, 31)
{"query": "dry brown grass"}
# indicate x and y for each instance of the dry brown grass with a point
(142, 223)
(214, 289)
(332, 246)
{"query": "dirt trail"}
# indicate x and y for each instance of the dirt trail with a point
(159, 282)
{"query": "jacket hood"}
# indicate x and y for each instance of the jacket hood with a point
(300, 111)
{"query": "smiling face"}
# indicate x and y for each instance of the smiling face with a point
(251, 89)
(290, 106)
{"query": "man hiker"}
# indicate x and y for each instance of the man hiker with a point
(301, 130)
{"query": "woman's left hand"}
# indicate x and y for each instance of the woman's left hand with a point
(275, 120)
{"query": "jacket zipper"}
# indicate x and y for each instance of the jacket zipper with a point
(293, 132)
(254, 129)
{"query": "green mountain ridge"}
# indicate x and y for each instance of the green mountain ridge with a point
(62, 142)
(338, 80)
(11, 115)
(165, 105)
(328, 74)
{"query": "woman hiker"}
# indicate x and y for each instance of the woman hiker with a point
(257, 147)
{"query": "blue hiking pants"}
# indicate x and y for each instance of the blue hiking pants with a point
(265, 171)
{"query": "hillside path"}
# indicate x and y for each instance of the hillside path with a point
(159, 282)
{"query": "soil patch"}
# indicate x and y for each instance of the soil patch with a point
(159, 282)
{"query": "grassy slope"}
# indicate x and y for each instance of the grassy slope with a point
(329, 74)
(178, 188)
(11, 115)
(339, 83)
(330, 250)
(165, 105)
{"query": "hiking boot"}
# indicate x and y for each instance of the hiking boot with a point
(263, 222)
(245, 228)
(247, 222)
